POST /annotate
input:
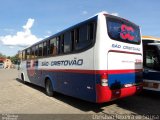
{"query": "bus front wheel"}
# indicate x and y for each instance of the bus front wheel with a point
(49, 88)
(22, 78)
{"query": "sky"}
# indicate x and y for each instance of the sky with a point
(24, 22)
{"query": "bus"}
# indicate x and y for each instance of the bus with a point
(97, 60)
(151, 57)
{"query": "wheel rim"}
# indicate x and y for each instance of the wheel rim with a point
(48, 87)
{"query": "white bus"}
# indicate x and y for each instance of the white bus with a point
(151, 74)
(98, 60)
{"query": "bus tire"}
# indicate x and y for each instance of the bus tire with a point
(22, 78)
(49, 88)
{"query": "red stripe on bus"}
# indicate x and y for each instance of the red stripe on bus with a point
(94, 71)
(118, 51)
(124, 71)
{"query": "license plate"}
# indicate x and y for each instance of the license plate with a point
(150, 85)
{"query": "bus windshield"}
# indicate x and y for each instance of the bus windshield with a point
(151, 57)
(123, 31)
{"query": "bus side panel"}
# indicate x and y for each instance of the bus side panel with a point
(72, 80)
(79, 85)
(31, 72)
(23, 72)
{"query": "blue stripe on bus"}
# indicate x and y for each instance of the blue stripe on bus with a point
(80, 85)
(123, 79)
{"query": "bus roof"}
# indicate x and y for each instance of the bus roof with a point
(150, 38)
(158, 44)
(90, 18)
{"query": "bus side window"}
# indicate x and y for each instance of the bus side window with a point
(58, 44)
(84, 36)
(67, 42)
(28, 53)
(91, 31)
(53, 46)
(33, 52)
(73, 39)
(61, 42)
(23, 55)
(45, 49)
(40, 50)
(77, 35)
(48, 48)
(36, 51)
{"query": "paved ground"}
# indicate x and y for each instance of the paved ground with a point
(18, 98)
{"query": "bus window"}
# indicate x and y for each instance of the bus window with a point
(33, 52)
(73, 39)
(91, 31)
(45, 49)
(61, 44)
(28, 53)
(77, 35)
(23, 55)
(58, 44)
(36, 51)
(123, 31)
(84, 36)
(40, 50)
(67, 42)
(53, 46)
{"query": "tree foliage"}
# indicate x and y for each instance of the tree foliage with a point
(14, 59)
(2, 56)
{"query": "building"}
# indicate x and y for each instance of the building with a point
(5, 63)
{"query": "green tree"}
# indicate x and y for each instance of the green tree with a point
(14, 59)
(2, 56)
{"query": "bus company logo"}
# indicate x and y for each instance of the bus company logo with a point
(126, 32)
(31, 67)
(74, 62)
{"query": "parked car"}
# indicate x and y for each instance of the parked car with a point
(1, 65)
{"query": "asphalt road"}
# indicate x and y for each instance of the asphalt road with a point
(17, 98)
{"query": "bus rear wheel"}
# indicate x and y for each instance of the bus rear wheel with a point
(49, 88)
